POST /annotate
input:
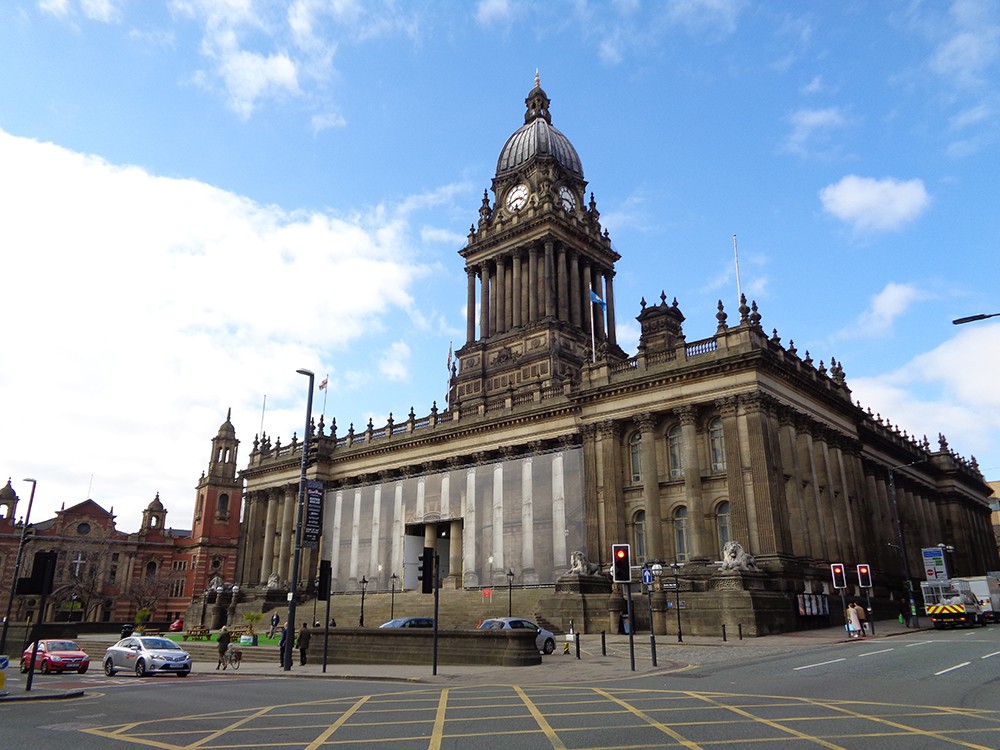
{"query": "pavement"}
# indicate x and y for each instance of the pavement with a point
(601, 658)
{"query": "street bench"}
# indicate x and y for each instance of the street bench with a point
(240, 630)
(196, 632)
(150, 632)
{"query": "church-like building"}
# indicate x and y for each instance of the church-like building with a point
(555, 441)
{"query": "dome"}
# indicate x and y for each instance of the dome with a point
(7, 492)
(155, 505)
(226, 429)
(538, 139)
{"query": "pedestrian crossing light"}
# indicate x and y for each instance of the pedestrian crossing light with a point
(839, 576)
(864, 576)
(425, 571)
(621, 563)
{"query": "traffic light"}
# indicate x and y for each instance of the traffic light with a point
(325, 574)
(425, 571)
(839, 575)
(621, 563)
(864, 576)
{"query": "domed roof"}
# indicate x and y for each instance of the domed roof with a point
(226, 429)
(7, 492)
(537, 138)
(155, 505)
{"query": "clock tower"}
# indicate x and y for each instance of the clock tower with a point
(538, 259)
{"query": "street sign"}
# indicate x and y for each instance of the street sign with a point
(647, 576)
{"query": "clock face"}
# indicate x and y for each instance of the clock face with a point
(567, 199)
(517, 197)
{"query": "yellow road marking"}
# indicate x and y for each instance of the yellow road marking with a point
(437, 733)
(318, 742)
(542, 722)
(683, 741)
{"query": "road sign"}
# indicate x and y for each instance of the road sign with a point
(647, 576)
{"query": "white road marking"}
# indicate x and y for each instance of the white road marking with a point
(949, 669)
(821, 664)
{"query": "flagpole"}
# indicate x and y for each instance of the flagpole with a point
(736, 253)
(326, 380)
(262, 408)
(593, 341)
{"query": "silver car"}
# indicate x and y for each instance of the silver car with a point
(545, 640)
(147, 655)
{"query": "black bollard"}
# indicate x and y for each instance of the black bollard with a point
(740, 627)
(604, 645)
(723, 632)
(577, 639)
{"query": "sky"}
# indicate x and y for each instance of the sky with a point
(200, 197)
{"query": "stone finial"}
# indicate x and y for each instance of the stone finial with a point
(754, 315)
(721, 317)
(744, 310)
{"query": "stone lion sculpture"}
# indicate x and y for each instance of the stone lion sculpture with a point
(273, 581)
(581, 565)
(734, 557)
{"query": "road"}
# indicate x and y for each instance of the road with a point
(927, 689)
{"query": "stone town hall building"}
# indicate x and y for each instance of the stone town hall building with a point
(547, 446)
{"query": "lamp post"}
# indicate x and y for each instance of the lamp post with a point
(947, 549)
(287, 659)
(510, 591)
(902, 543)
(17, 566)
(392, 596)
(677, 598)
(364, 588)
(973, 318)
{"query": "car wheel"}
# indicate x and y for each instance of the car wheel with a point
(82, 670)
(46, 668)
(140, 668)
(109, 668)
(24, 666)
(550, 646)
(183, 674)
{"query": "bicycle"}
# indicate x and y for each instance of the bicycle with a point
(233, 657)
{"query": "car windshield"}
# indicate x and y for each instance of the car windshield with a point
(398, 622)
(61, 646)
(160, 644)
(491, 625)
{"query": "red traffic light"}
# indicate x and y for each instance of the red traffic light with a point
(620, 553)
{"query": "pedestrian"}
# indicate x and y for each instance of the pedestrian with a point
(333, 622)
(853, 621)
(274, 625)
(863, 617)
(904, 611)
(281, 644)
(223, 645)
(304, 636)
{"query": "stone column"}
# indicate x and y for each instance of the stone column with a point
(270, 530)
(533, 283)
(692, 482)
(469, 531)
(494, 299)
(484, 301)
(560, 557)
(517, 307)
(574, 291)
(470, 305)
(562, 285)
(770, 513)
(398, 526)
(497, 546)
(335, 536)
(599, 331)
(651, 486)
(355, 539)
(797, 516)
(289, 493)
(739, 526)
(501, 295)
(609, 290)
(550, 281)
(454, 579)
(811, 495)
(612, 500)
(595, 535)
(375, 558)
(528, 574)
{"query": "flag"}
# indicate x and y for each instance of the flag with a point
(449, 356)
(598, 300)
(322, 386)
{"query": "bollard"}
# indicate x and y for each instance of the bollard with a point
(604, 645)
(740, 628)
(723, 632)
(577, 639)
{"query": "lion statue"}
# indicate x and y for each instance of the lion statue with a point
(734, 557)
(582, 566)
(273, 581)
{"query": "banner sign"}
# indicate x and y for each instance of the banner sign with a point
(313, 526)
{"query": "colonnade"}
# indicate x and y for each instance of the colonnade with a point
(543, 280)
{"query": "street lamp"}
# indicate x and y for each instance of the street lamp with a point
(17, 566)
(973, 318)
(677, 598)
(364, 588)
(510, 591)
(392, 596)
(947, 549)
(287, 658)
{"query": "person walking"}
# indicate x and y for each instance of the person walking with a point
(274, 625)
(223, 645)
(281, 644)
(863, 617)
(854, 621)
(304, 636)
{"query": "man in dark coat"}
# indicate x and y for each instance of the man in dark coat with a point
(304, 636)
(223, 645)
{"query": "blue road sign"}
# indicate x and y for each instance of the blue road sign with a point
(647, 576)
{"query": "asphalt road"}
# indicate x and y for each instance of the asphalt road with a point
(927, 689)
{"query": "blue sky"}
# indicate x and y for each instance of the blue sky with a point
(198, 197)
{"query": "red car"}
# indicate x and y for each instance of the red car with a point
(56, 656)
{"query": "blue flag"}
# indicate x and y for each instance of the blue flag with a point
(598, 300)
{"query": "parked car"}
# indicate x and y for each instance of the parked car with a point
(146, 655)
(545, 640)
(56, 656)
(409, 622)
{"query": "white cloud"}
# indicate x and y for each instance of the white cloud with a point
(148, 305)
(395, 363)
(885, 307)
(490, 12)
(868, 204)
(720, 16)
(104, 11)
(812, 126)
(250, 76)
(972, 45)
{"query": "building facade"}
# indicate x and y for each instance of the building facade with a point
(107, 575)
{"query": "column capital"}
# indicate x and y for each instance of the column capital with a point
(645, 420)
(727, 406)
(687, 414)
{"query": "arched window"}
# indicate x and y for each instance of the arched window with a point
(639, 535)
(675, 451)
(681, 534)
(716, 445)
(150, 570)
(635, 456)
(223, 504)
(722, 512)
